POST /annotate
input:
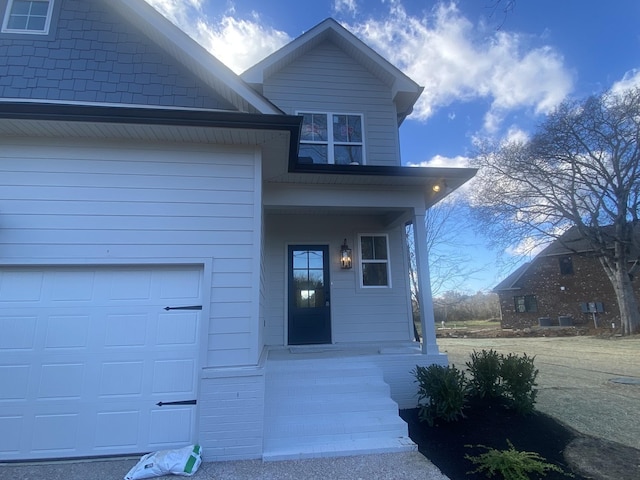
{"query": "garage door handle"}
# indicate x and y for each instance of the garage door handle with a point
(181, 402)
(190, 307)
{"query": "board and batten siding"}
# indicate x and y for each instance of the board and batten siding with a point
(357, 314)
(325, 79)
(66, 201)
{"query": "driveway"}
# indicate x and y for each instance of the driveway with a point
(591, 384)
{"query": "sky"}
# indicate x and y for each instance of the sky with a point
(486, 73)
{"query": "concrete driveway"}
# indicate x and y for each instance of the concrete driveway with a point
(591, 384)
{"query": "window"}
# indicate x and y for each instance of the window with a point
(566, 265)
(374, 260)
(526, 303)
(27, 16)
(332, 138)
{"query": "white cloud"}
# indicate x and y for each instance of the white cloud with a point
(442, 161)
(238, 43)
(630, 80)
(347, 6)
(457, 60)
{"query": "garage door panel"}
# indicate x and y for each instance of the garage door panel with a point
(177, 328)
(18, 331)
(67, 331)
(169, 424)
(117, 429)
(82, 374)
(121, 379)
(15, 382)
(11, 440)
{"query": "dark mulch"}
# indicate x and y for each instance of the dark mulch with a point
(490, 425)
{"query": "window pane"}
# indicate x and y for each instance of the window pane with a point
(366, 246)
(344, 154)
(317, 153)
(374, 274)
(316, 278)
(36, 23)
(17, 23)
(380, 248)
(20, 7)
(314, 127)
(39, 8)
(347, 128)
(300, 260)
(315, 259)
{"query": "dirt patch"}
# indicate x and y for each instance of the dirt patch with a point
(602, 460)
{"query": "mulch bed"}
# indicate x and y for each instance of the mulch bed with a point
(444, 444)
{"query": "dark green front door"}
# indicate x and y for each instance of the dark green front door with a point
(309, 302)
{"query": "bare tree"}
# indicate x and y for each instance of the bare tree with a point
(581, 169)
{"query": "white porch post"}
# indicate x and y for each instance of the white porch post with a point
(427, 321)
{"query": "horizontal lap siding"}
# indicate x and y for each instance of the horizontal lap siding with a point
(71, 201)
(325, 79)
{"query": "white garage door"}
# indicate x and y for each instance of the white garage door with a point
(90, 358)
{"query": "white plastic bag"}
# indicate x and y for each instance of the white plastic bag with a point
(181, 461)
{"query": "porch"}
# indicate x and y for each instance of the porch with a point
(340, 399)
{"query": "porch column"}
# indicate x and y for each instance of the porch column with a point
(427, 321)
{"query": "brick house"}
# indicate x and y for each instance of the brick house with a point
(563, 285)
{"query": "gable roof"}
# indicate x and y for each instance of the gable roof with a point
(509, 283)
(405, 91)
(193, 56)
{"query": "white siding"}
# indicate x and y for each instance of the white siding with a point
(358, 315)
(325, 79)
(70, 201)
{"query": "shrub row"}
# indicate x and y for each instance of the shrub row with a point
(443, 392)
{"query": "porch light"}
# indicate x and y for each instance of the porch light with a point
(345, 255)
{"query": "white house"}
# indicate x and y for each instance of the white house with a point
(173, 241)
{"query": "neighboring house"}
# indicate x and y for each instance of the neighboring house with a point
(563, 285)
(191, 256)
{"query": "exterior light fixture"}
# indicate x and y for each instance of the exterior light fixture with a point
(345, 255)
(436, 187)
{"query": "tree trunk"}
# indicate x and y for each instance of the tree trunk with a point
(627, 302)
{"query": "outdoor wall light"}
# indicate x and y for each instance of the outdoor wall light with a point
(345, 255)
(436, 187)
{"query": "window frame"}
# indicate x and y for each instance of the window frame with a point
(362, 261)
(529, 303)
(48, 20)
(330, 143)
(566, 265)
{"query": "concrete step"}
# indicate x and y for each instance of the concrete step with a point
(327, 408)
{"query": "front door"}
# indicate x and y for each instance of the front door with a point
(309, 299)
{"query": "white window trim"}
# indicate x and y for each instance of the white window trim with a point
(47, 24)
(361, 261)
(330, 143)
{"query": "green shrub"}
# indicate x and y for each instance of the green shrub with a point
(444, 390)
(518, 381)
(484, 368)
(511, 463)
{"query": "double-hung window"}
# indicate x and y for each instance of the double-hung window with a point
(374, 261)
(27, 16)
(332, 138)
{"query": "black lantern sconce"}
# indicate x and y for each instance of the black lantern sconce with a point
(345, 255)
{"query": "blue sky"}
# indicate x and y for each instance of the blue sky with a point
(485, 74)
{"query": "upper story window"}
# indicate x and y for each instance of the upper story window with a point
(28, 16)
(566, 265)
(332, 138)
(374, 261)
(525, 303)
